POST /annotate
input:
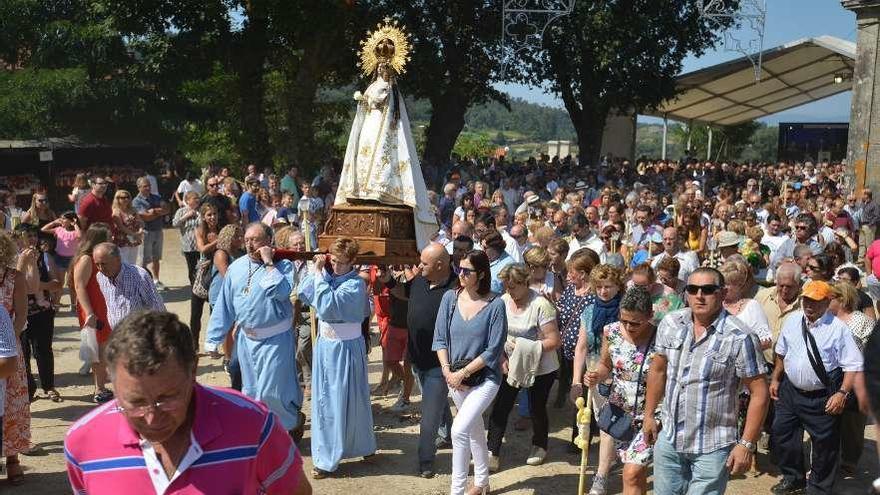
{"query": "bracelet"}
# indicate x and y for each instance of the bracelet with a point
(465, 372)
(445, 366)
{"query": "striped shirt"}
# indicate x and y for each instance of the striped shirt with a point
(132, 289)
(106, 456)
(703, 379)
(187, 229)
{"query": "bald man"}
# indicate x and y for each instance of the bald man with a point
(460, 228)
(425, 292)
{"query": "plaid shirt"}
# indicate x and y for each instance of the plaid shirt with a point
(703, 379)
(132, 289)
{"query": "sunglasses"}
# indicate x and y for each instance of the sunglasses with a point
(801, 227)
(44, 200)
(123, 197)
(464, 272)
(813, 267)
(707, 290)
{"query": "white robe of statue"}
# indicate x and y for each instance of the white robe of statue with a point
(381, 162)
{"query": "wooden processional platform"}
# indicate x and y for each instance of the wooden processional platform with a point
(385, 233)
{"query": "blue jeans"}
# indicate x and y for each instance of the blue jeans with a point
(689, 474)
(436, 417)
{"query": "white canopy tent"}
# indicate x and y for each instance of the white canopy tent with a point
(793, 74)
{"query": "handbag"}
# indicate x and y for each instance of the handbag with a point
(477, 377)
(612, 419)
(204, 275)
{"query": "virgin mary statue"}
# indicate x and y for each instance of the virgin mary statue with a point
(381, 162)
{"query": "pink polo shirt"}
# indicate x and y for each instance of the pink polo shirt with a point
(239, 447)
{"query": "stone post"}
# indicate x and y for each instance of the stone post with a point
(863, 147)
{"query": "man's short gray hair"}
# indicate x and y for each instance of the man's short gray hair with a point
(142, 180)
(638, 300)
(110, 248)
(789, 270)
(147, 340)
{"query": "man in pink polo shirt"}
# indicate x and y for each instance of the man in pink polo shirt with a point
(166, 434)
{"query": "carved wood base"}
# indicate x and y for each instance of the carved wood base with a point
(385, 233)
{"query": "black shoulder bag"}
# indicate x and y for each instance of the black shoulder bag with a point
(477, 377)
(819, 368)
(616, 422)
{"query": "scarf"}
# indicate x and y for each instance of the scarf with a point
(604, 313)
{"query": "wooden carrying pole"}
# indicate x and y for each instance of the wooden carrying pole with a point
(307, 232)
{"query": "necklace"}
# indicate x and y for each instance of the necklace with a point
(247, 288)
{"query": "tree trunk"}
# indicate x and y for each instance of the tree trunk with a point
(302, 87)
(447, 121)
(253, 137)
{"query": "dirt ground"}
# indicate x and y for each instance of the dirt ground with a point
(392, 470)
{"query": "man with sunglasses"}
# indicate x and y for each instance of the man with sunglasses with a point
(95, 206)
(704, 357)
(816, 365)
(165, 433)
(220, 202)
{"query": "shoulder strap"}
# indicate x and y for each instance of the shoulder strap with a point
(813, 355)
(642, 368)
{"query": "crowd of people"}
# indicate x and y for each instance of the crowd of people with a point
(708, 312)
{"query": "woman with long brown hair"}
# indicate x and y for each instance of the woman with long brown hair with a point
(91, 307)
(16, 411)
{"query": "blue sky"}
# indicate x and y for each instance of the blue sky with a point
(787, 20)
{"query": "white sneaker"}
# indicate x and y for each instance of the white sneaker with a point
(494, 463)
(160, 286)
(400, 406)
(536, 456)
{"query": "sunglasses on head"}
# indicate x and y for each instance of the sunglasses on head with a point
(707, 290)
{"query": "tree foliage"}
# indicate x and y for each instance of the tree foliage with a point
(603, 57)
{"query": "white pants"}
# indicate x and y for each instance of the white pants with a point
(469, 435)
(129, 254)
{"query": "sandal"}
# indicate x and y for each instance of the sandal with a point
(103, 396)
(319, 474)
(54, 395)
(14, 473)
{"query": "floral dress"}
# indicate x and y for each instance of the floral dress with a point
(570, 307)
(626, 360)
(17, 411)
(132, 222)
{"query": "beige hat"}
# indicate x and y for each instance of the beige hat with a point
(727, 238)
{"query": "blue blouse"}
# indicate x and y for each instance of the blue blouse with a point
(481, 336)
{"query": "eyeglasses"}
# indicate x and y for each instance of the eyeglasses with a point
(167, 405)
(707, 290)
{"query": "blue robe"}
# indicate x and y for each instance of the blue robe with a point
(268, 366)
(342, 420)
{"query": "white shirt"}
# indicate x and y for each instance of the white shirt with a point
(593, 242)
(160, 480)
(752, 315)
(834, 340)
(511, 247)
(687, 260)
(186, 186)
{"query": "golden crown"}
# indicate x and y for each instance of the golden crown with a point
(389, 30)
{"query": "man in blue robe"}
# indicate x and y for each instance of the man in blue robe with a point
(342, 421)
(255, 295)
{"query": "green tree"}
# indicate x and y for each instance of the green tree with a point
(602, 57)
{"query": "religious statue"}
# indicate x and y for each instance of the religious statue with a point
(381, 162)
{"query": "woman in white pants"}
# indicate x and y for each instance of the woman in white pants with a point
(128, 228)
(469, 337)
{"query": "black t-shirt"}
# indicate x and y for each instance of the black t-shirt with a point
(424, 304)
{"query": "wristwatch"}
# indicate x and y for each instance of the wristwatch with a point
(750, 446)
(269, 265)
